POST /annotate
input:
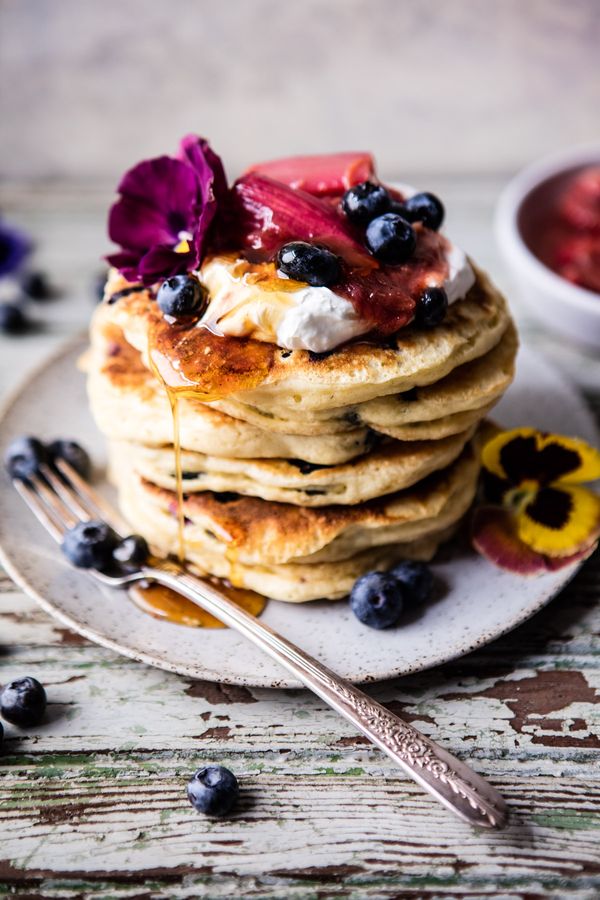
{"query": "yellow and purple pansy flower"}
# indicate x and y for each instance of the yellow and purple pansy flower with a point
(166, 207)
(536, 515)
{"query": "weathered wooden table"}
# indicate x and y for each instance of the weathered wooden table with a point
(92, 802)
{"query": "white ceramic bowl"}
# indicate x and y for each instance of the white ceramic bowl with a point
(563, 307)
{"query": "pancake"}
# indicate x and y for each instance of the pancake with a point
(299, 583)
(279, 381)
(385, 470)
(429, 412)
(129, 404)
(253, 532)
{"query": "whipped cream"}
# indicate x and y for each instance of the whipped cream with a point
(290, 314)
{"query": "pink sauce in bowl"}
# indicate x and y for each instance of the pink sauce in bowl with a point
(559, 222)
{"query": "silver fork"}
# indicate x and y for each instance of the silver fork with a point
(60, 501)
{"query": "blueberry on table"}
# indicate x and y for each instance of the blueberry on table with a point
(213, 790)
(181, 295)
(24, 456)
(377, 599)
(132, 550)
(37, 286)
(365, 201)
(12, 319)
(312, 263)
(416, 579)
(72, 453)
(432, 307)
(391, 239)
(425, 208)
(23, 702)
(90, 545)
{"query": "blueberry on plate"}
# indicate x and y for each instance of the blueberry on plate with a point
(24, 456)
(23, 702)
(377, 599)
(90, 545)
(312, 263)
(365, 201)
(425, 208)
(181, 295)
(72, 453)
(12, 319)
(432, 307)
(37, 286)
(132, 550)
(416, 579)
(213, 790)
(391, 239)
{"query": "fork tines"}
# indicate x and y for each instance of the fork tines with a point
(59, 498)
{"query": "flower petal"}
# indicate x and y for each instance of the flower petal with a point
(14, 247)
(213, 185)
(494, 536)
(524, 454)
(163, 262)
(560, 520)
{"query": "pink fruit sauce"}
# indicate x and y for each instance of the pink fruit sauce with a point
(560, 223)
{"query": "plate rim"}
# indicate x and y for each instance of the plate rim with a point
(79, 342)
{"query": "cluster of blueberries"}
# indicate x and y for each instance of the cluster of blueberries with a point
(379, 599)
(13, 314)
(388, 234)
(87, 545)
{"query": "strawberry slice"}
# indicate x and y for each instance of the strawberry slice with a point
(324, 175)
(264, 214)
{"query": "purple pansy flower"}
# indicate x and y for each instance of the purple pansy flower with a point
(14, 248)
(164, 213)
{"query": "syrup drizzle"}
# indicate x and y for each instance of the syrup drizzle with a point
(193, 363)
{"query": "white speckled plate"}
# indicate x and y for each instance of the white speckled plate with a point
(479, 603)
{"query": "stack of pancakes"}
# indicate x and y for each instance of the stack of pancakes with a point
(334, 465)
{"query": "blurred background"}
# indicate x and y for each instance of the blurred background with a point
(459, 86)
(451, 95)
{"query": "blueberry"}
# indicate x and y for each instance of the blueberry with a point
(37, 286)
(23, 702)
(416, 579)
(365, 201)
(181, 295)
(432, 307)
(73, 453)
(309, 262)
(391, 239)
(425, 208)
(24, 456)
(132, 550)
(213, 790)
(90, 545)
(12, 319)
(377, 599)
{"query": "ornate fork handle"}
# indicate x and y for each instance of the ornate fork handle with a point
(450, 781)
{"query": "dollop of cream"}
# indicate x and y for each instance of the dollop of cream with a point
(291, 314)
